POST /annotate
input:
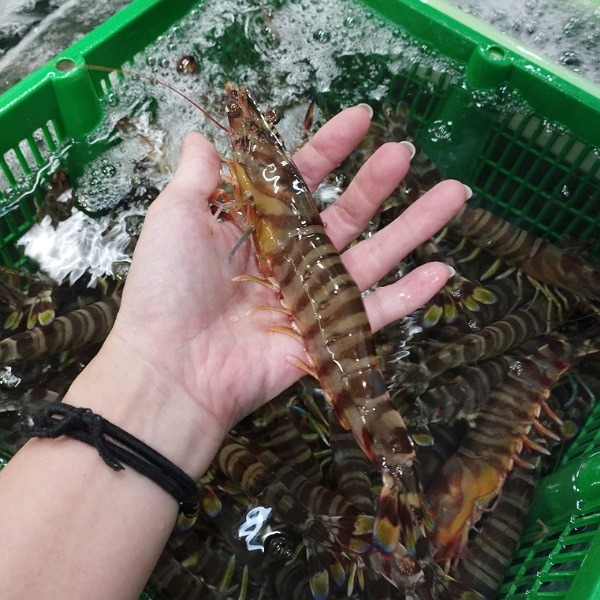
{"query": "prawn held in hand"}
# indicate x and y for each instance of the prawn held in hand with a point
(326, 312)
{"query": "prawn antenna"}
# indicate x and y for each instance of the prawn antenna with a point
(159, 82)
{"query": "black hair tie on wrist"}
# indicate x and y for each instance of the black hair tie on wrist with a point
(115, 446)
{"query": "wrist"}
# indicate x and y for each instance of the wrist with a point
(130, 392)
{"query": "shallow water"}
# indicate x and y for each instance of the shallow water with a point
(285, 56)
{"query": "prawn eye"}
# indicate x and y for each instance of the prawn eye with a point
(272, 116)
(234, 110)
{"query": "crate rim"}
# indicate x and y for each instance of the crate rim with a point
(461, 36)
(87, 50)
(484, 30)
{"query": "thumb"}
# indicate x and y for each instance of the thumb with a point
(197, 173)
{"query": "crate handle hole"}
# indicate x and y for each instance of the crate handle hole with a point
(65, 65)
(496, 53)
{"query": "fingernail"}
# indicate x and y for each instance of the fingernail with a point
(367, 108)
(469, 191)
(410, 147)
(452, 271)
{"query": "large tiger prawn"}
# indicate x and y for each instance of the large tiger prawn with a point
(326, 310)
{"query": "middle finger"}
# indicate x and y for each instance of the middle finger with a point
(369, 260)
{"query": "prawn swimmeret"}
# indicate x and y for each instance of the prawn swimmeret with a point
(326, 310)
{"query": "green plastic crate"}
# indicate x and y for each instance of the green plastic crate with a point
(534, 159)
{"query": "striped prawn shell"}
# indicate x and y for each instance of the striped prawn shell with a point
(544, 313)
(210, 560)
(335, 535)
(327, 312)
(491, 547)
(463, 396)
(74, 330)
(191, 570)
(474, 475)
(499, 531)
(536, 257)
(294, 497)
(273, 428)
(350, 468)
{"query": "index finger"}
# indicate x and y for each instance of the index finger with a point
(332, 144)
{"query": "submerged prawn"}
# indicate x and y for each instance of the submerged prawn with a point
(327, 312)
(474, 475)
(71, 331)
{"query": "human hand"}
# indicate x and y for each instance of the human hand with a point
(184, 328)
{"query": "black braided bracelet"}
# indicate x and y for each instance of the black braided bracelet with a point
(115, 446)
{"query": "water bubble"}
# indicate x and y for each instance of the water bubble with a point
(279, 547)
(133, 224)
(573, 27)
(112, 99)
(341, 180)
(187, 65)
(8, 379)
(322, 35)
(552, 28)
(569, 59)
(474, 325)
(109, 170)
(120, 270)
(260, 28)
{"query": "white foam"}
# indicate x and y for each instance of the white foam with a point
(565, 31)
(79, 245)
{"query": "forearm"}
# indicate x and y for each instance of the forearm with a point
(74, 528)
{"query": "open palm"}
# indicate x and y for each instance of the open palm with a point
(183, 313)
